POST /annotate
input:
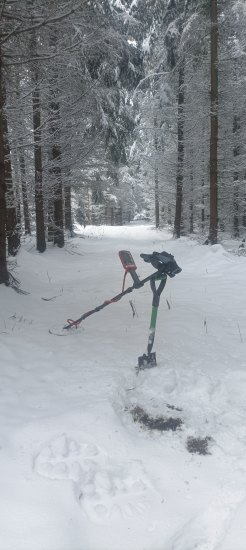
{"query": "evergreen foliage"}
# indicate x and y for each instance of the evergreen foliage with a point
(113, 109)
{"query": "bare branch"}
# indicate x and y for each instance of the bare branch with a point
(38, 57)
(43, 23)
(2, 8)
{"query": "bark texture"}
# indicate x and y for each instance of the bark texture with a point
(213, 229)
(180, 167)
(4, 277)
(36, 110)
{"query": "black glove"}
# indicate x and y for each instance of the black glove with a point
(163, 261)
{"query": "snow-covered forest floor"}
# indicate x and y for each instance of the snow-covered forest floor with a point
(78, 469)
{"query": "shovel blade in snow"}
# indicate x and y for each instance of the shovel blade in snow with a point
(147, 361)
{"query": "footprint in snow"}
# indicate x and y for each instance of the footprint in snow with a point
(105, 490)
(207, 530)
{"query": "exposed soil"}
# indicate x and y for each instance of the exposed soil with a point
(199, 445)
(173, 408)
(160, 423)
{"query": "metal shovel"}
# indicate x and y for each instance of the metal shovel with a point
(148, 360)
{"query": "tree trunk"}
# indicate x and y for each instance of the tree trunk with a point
(236, 153)
(191, 204)
(203, 206)
(50, 214)
(17, 191)
(13, 235)
(112, 222)
(18, 208)
(55, 153)
(12, 231)
(27, 224)
(169, 214)
(20, 160)
(68, 218)
(236, 232)
(58, 198)
(39, 201)
(4, 277)
(244, 207)
(213, 229)
(68, 209)
(180, 167)
(157, 202)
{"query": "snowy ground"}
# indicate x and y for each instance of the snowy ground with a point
(76, 471)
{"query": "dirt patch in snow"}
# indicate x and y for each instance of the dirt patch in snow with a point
(199, 445)
(160, 423)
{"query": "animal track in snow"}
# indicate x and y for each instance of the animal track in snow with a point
(105, 490)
